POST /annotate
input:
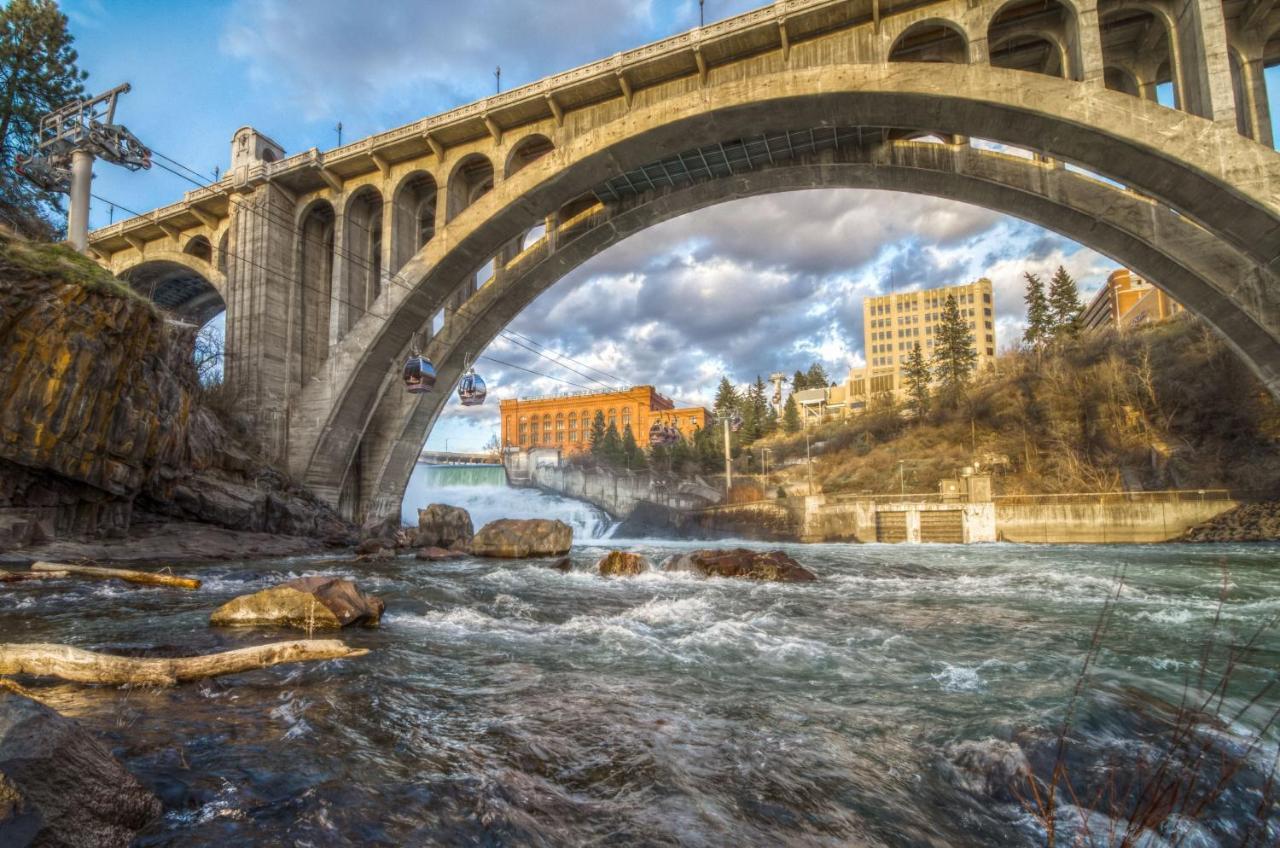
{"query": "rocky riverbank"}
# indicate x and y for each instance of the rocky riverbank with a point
(1250, 522)
(106, 434)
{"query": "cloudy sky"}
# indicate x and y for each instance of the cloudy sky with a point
(745, 288)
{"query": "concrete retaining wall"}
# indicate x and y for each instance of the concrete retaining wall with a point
(1104, 522)
(617, 493)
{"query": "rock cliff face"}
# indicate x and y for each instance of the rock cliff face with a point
(101, 419)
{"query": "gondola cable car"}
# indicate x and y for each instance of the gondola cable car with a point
(419, 373)
(471, 389)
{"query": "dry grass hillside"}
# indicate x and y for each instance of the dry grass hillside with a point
(1159, 407)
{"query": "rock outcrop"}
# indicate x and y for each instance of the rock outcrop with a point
(438, 554)
(1251, 522)
(622, 564)
(443, 526)
(741, 563)
(306, 603)
(515, 538)
(103, 423)
(60, 786)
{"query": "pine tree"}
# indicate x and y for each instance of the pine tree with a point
(710, 449)
(597, 435)
(817, 376)
(632, 456)
(954, 355)
(791, 415)
(682, 455)
(611, 447)
(799, 382)
(39, 73)
(918, 377)
(1039, 317)
(727, 399)
(755, 413)
(1064, 304)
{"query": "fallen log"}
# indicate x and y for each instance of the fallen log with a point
(150, 578)
(20, 576)
(81, 666)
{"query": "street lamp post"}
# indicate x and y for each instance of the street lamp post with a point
(732, 421)
(902, 480)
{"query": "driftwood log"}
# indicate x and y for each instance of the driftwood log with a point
(20, 576)
(80, 666)
(150, 578)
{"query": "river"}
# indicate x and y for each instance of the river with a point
(505, 703)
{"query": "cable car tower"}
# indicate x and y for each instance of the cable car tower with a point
(69, 140)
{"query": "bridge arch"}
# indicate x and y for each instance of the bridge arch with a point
(931, 40)
(470, 179)
(199, 247)
(1040, 36)
(1212, 177)
(528, 150)
(413, 217)
(362, 254)
(998, 181)
(313, 288)
(179, 281)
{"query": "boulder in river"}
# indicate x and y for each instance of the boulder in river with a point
(622, 564)
(516, 538)
(742, 563)
(60, 786)
(318, 602)
(443, 526)
(564, 565)
(434, 554)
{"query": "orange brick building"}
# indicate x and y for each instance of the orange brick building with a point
(1127, 300)
(564, 421)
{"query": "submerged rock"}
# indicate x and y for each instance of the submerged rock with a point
(741, 563)
(439, 554)
(564, 564)
(514, 538)
(308, 602)
(443, 526)
(60, 786)
(622, 564)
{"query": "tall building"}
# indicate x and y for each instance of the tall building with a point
(892, 324)
(564, 421)
(1127, 300)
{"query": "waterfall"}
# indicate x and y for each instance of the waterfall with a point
(482, 490)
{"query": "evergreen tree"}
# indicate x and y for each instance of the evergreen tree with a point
(1064, 304)
(799, 382)
(755, 413)
(710, 449)
(791, 415)
(597, 435)
(727, 399)
(918, 377)
(632, 456)
(954, 355)
(611, 447)
(39, 73)
(660, 458)
(682, 455)
(770, 421)
(817, 376)
(1039, 316)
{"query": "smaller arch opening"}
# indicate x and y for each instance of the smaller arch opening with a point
(414, 217)
(363, 248)
(471, 179)
(200, 248)
(930, 41)
(533, 236)
(1136, 50)
(1030, 35)
(222, 251)
(528, 151)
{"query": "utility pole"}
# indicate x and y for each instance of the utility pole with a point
(338, 130)
(497, 80)
(69, 140)
(702, 18)
(902, 481)
(732, 421)
(777, 378)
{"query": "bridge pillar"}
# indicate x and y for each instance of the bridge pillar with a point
(258, 309)
(1204, 66)
(1250, 89)
(1085, 44)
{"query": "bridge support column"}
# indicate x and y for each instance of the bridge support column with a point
(1086, 45)
(1250, 89)
(258, 310)
(1204, 66)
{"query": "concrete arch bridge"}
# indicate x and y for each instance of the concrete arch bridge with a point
(329, 263)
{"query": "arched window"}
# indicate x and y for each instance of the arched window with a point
(612, 420)
(546, 428)
(626, 418)
(573, 426)
(560, 427)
